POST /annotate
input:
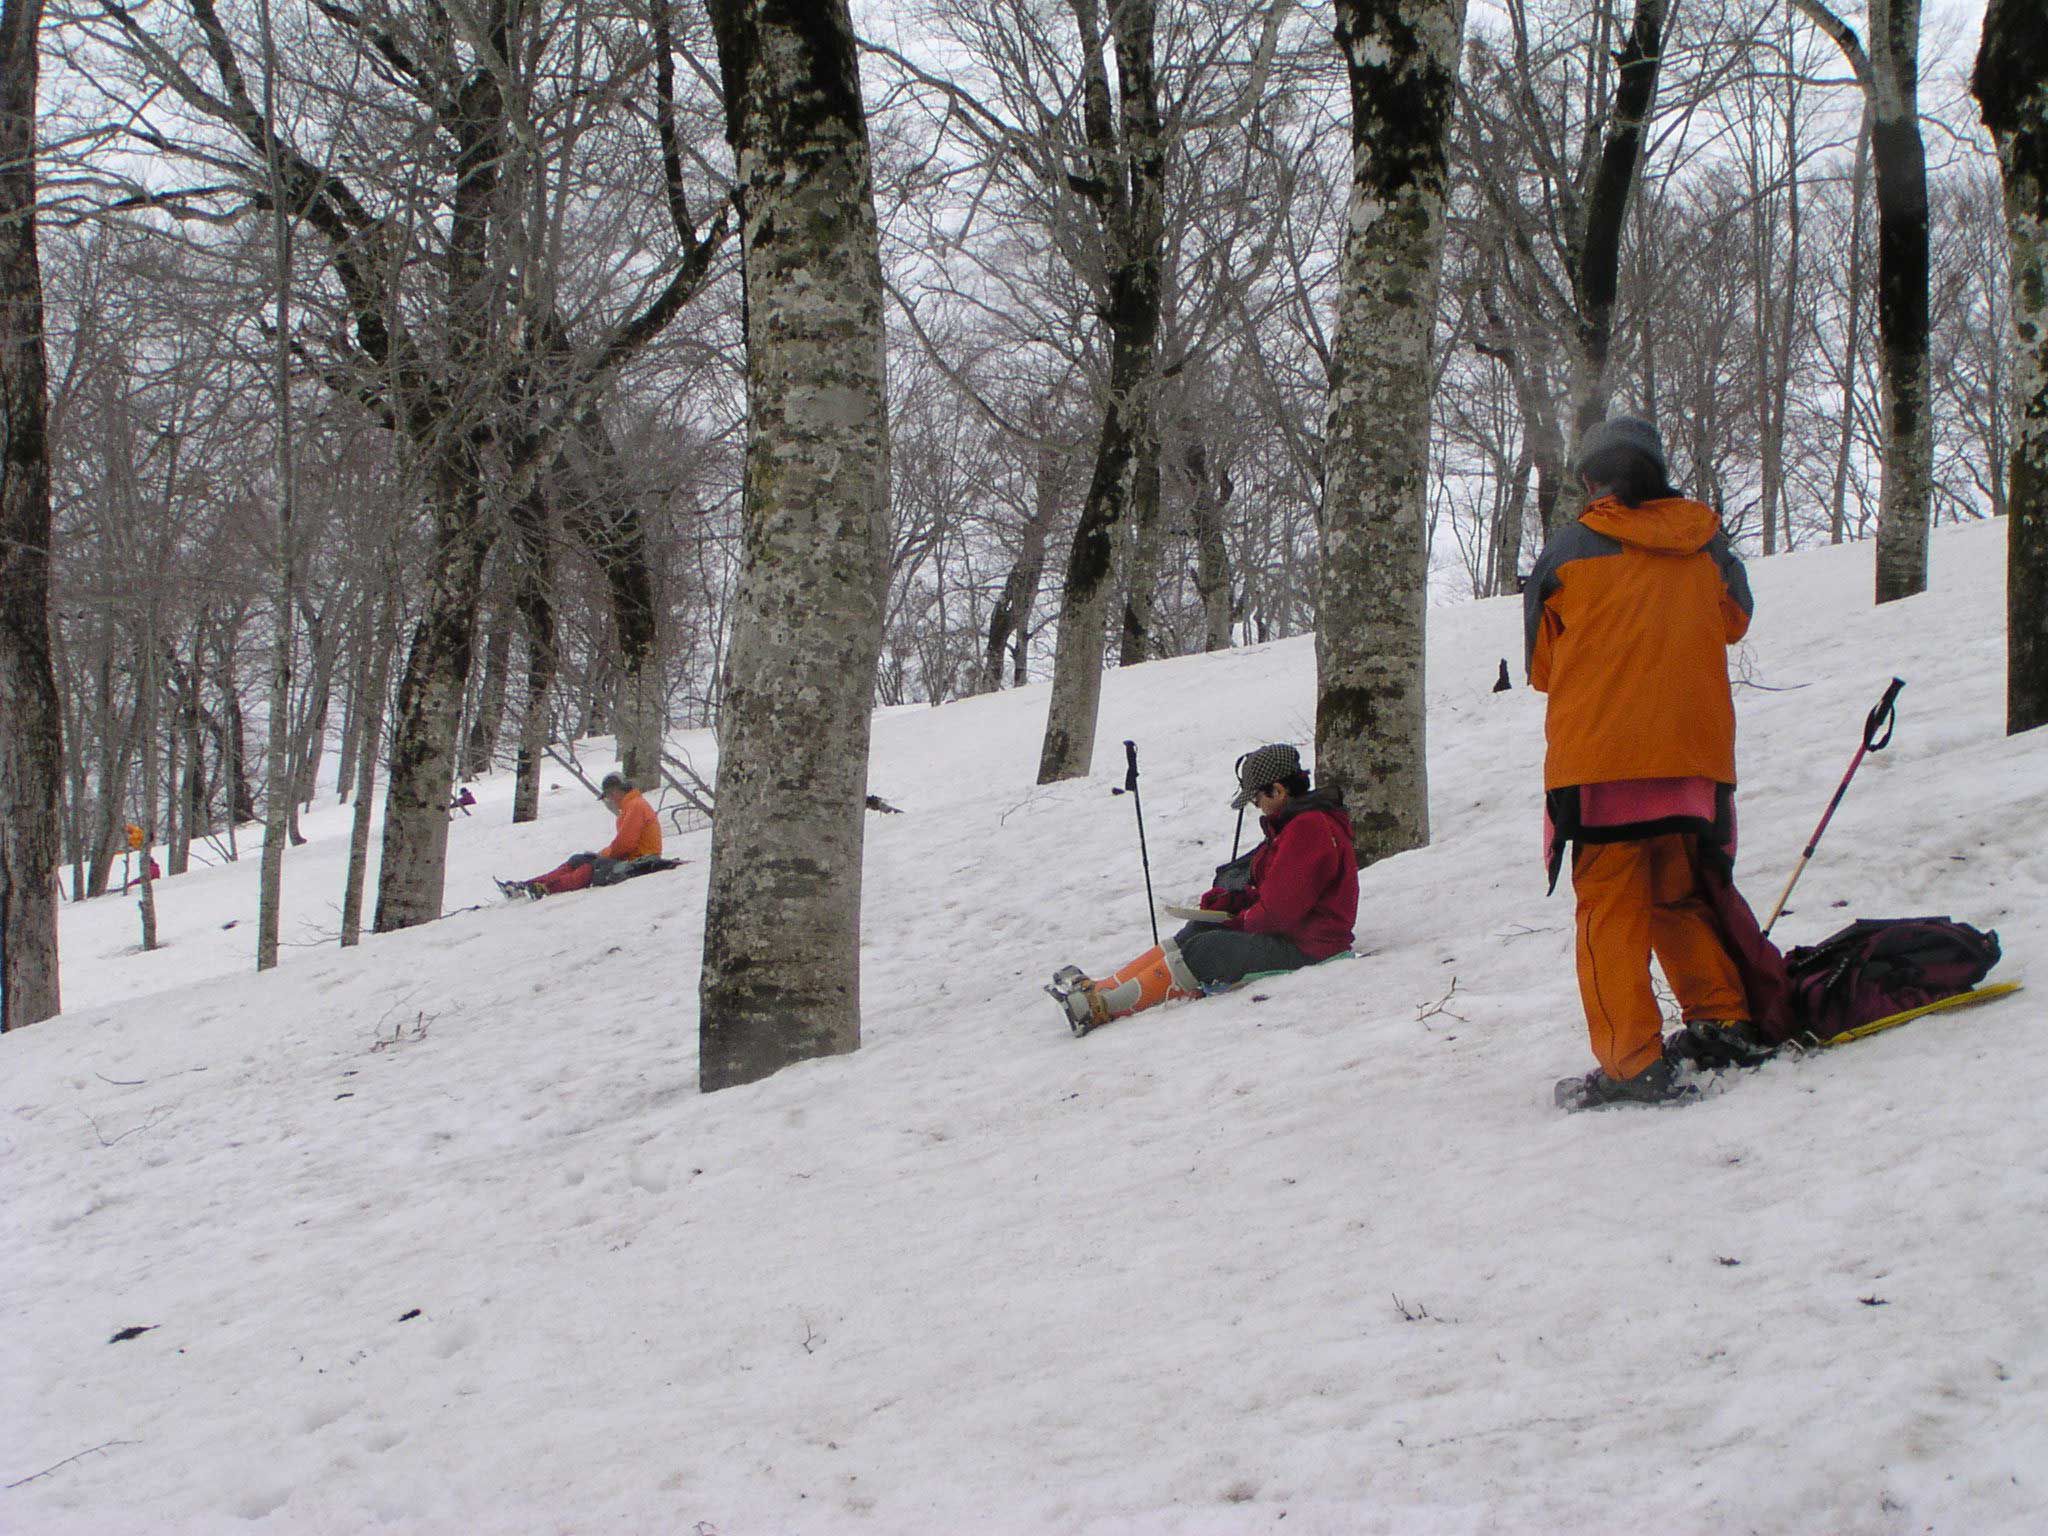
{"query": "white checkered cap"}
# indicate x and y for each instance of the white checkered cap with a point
(1262, 766)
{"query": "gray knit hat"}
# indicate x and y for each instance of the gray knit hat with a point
(1262, 766)
(1631, 432)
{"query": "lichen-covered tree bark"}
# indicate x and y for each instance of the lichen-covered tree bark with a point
(1401, 57)
(412, 866)
(31, 757)
(781, 978)
(2012, 87)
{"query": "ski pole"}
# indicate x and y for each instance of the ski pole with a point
(1131, 788)
(1237, 836)
(1884, 718)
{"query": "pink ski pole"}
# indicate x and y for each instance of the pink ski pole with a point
(1882, 717)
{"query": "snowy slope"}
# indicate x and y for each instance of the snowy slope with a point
(1320, 1252)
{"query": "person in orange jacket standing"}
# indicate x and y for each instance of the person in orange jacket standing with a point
(636, 836)
(1629, 614)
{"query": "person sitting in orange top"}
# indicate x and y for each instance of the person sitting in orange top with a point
(637, 836)
(1629, 614)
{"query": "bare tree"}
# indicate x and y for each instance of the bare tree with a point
(1401, 57)
(31, 750)
(2011, 85)
(1125, 185)
(1596, 247)
(437, 327)
(278, 796)
(781, 978)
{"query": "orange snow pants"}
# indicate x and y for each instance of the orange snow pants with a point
(1636, 899)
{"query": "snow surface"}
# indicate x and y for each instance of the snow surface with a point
(1319, 1253)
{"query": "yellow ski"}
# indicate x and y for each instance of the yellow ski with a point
(1893, 1020)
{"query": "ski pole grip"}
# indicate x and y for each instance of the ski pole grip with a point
(1884, 717)
(1131, 771)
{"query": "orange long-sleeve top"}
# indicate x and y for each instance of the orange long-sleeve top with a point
(1629, 613)
(639, 830)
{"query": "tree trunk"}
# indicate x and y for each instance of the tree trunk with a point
(31, 750)
(2011, 84)
(1506, 575)
(196, 817)
(781, 973)
(323, 643)
(605, 513)
(280, 782)
(1010, 620)
(369, 712)
(1401, 59)
(1774, 308)
(1129, 170)
(489, 719)
(174, 769)
(537, 612)
(234, 741)
(412, 868)
(1211, 497)
(1907, 498)
(1141, 571)
(1852, 337)
(147, 692)
(351, 714)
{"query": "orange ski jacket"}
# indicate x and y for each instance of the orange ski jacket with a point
(639, 829)
(1627, 619)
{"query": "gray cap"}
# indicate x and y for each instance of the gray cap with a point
(613, 781)
(1262, 766)
(1631, 432)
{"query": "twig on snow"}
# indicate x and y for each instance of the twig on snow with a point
(404, 1034)
(1424, 1012)
(89, 1451)
(1418, 1313)
(155, 1115)
(138, 1082)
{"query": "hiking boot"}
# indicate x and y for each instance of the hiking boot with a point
(1075, 994)
(1656, 1084)
(1717, 1043)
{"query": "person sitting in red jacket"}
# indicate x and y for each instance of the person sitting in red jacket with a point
(637, 836)
(1291, 902)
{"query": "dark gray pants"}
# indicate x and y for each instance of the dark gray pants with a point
(1221, 957)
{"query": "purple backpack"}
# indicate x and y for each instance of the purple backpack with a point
(1876, 967)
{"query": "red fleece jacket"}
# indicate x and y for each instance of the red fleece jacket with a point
(1305, 882)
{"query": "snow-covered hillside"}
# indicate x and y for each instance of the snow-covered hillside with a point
(436, 1235)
